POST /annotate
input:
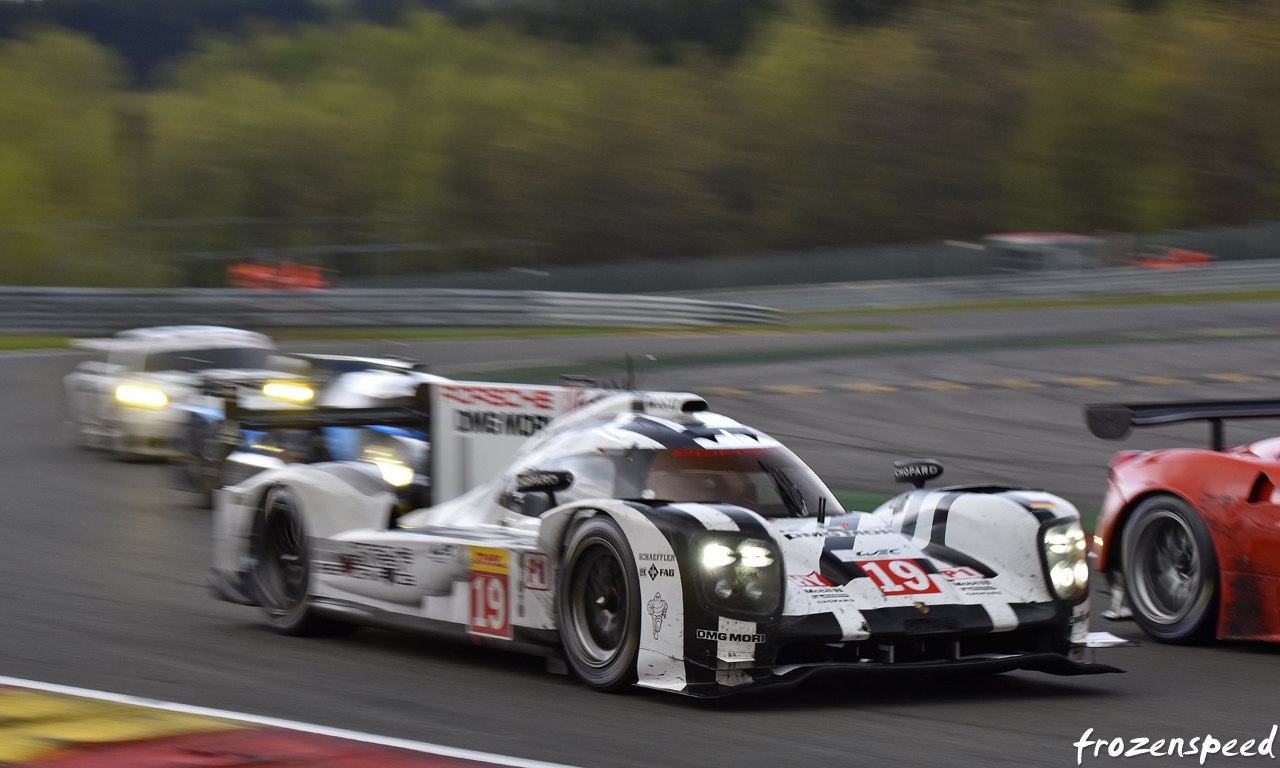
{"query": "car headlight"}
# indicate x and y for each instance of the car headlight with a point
(1064, 559)
(284, 390)
(740, 576)
(390, 464)
(141, 396)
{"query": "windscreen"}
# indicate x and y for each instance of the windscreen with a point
(208, 359)
(771, 482)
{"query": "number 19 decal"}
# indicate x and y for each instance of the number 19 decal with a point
(490, 574)
(898, 577)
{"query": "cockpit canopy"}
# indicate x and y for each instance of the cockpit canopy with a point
(770, 481)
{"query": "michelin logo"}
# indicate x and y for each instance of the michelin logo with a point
(658, 610)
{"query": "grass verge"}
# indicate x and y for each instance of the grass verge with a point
(22, 341)
(19, 341)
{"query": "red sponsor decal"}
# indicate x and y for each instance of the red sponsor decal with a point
(501, 397)
(490, 606)
(813, 579)
(537, 571)
(961, 573)
(898, 577)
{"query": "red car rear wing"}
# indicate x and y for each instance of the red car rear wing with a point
(1113, 421)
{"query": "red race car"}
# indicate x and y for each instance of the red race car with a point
(1189, 538)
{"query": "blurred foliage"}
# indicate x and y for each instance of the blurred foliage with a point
(721, 27)
(835, 123)
(148, 32)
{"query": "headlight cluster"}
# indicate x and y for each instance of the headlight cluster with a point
(397, 457)
(141, 396)
(392, 466)
(740, 576)
(1064, 557)
(285, 390)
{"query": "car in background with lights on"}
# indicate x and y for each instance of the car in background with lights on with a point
(132, 398)
(212, 451)
(637, 537)
(1189, 539)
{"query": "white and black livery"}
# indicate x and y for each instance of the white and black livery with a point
(644, 539)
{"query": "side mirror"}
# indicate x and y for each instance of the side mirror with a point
(547, 481)
(916, 471)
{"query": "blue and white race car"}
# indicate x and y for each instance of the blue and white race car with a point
(211, 452)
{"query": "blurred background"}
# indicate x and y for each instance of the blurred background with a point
(168, 143)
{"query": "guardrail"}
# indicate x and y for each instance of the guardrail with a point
(97, 311)
(1220, 277)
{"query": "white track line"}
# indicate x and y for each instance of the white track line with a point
(386, 741)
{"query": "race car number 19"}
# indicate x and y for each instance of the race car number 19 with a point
(490, 573)
(898, 577)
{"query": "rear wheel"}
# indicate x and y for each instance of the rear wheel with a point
(1171, 571)
(282, 570)
(599, 605)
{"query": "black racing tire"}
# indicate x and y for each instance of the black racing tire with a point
(598, 605)
(282, 569)
(1171, 571)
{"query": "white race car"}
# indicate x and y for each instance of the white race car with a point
(643, 539)
(125, 400)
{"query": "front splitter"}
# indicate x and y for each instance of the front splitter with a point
(789, 675)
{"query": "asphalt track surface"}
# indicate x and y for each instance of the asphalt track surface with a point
(103, 566)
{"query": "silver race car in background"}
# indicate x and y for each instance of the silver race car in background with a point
(133, 398)
(640, 538)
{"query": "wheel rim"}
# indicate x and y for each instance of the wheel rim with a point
(282, 562)
(1168, 572)
(600, 603)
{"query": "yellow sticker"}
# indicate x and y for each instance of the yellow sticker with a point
(490, 560)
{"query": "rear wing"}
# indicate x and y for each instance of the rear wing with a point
(320, 417)
(1113, 421)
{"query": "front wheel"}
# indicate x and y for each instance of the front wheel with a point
(599, 605)
(203, 457)
(1171, 571)
(282, 570)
